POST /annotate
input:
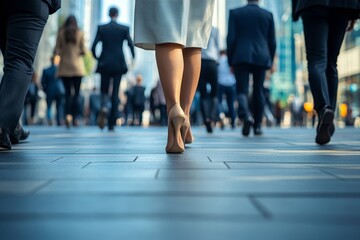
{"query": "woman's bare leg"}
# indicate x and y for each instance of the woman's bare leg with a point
(170, 63)
(192, 64)
(169, 58)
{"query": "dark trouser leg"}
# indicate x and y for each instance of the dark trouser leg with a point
(242, 73)
(230, 98)
(114, 100)
(104, 89)
(76, 104)
(49, 101)
(21, 34)
(316, 31)
(338, 23)
(68, 98)
(59, 109)
(258, 95)
(203, 91)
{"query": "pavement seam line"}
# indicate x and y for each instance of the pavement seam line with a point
(86, 165)
(56, 159)
(157, 173)
(332, 174)
(227, 165)
(260, 207)
(38, 188)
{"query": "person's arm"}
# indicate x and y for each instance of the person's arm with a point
(130, 43)
(217, 44)
(82, 44)
(351, 25)
(58, 46)
(44, 80)
(230, 39)
(272, 39)
(96, 41)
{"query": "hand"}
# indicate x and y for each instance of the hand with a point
(351, 25)
(272, 69)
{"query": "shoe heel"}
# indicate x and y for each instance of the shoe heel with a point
(178, 145)
(176, 121)
(184, 130)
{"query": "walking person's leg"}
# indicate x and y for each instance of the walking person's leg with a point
(67, 86)
(114, 102)
(77, 106)
(242, 73)
(204, 96)
(338, 24)
(20, 35)
(316, 32)
(192, 65)
(104, 91)
(258, 98)
(230, 98)
(170, 62)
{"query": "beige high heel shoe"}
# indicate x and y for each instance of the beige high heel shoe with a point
(186, 134)
(176, 119)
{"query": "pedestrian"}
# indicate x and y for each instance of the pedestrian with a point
(55, 91)
(176, 30)
(31, 99)
(70, 46)
(226, 87)
(138, 100)
(21, 27)
(325, 24)
(208, 82)
(111, 65)
(158, 104)
(251, 49)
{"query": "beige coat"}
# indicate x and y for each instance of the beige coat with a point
(71, 56)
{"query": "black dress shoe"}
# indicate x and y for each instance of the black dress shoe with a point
(4, 140)
(258, 131)
(332, 129)
(208, 127)
(19, 134)
(102, 118)
(247, 126)
(323, 130)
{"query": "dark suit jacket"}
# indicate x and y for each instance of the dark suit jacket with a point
(54, 5)
(251, 36)
(112, 36)
(352, 5)
(52, 85)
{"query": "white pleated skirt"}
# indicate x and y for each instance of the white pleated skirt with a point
(185, 22)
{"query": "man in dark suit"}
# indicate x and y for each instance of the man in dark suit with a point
(251, 49)
(111, 64)
(21, 26)
(325, 23)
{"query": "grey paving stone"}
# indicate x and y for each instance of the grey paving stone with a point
(228, 187)
(175, 206)
(153, 228)
(246, 174)
(19, 187)
(157, 165)
(58, 173)
(101, 157)
(326, 207)
(83, 183)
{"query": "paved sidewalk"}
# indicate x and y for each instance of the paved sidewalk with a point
(90, 184)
